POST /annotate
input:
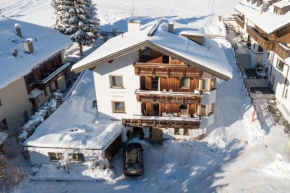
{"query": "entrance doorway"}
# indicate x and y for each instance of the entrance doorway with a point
(155, 109)
(157, 134)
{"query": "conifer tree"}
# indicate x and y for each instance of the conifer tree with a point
(78, 19)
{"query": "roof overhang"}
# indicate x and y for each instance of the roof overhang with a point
(153, 46)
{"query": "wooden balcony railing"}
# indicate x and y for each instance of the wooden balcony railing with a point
(282, 50)
(262, 41)
(240, 21)
(166, 70)
(168, 97)
(143, 121)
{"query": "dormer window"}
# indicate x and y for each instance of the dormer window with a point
(30, 78)
(281, 7)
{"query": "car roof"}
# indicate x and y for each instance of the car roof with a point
(134, 145)
(132, 156)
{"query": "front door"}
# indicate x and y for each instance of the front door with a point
(157, 134)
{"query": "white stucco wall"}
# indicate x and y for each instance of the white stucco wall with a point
(208, 97)
(255, 54)
(122, 66)
(40, 155)
(278, 86)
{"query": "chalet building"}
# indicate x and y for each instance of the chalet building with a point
(267, 25)
(32, 67)
(159, 79)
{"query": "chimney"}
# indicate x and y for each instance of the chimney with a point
(18, 29)
(28, 47)
(134, 26)
(15, 53)
(171, 27)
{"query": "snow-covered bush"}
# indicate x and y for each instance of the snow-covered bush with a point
(77, 18)
(38, 117)
(97, 160)
(64, 162)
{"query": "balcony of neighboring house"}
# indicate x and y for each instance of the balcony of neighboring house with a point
(165, 70)
(261, 39)
(144, 96)
(282, 50)
(240, 21)
(163, 122)
(51, 76)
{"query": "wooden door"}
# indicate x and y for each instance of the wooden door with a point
(157, 134)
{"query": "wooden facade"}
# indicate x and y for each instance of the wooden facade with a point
(166, 70)
(240, 21)
(282, 51)
(43, 71)
(161, 123)
(169, 98)
(263, 41)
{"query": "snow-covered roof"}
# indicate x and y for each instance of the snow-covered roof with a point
(210, 60)
(46, 43)
(268, 21)
(190, 30)
(35, 93)
(282, 4)
(3, 137)
(73, 124)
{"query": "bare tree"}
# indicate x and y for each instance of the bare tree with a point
(65, 161)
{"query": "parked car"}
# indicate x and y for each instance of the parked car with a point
(133, 160)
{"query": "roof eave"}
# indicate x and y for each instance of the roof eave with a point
(151, 45)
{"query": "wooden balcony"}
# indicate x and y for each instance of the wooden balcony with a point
(168, 97)
(240, 21)
(282, 50)
(262, 41)
(166, 70)
(163, 122)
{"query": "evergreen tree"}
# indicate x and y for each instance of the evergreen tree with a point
(77, 18)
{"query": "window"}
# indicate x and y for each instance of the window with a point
(119, 107)
(186, 131)
(260, 49)
(280, 64)
(254, 46)
(202, 109)
(176, 132)
(78, 157)
(155, 83)
(55, 156)
(52, 64)
(183, 108)
(30, 78)
(184, 82)
(43, 70)
(204, 84)
(117, 82)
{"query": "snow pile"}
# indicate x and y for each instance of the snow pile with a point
(279, 168)
(78, 171)
(38, 117)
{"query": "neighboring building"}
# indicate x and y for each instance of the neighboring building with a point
(267, 24)
(32, 67)
(160, 80)
(72, 129)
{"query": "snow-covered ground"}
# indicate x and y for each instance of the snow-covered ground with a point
(237, 156)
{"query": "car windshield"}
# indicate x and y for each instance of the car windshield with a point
(132, 166)
(132, 156)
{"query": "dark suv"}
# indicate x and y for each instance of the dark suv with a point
(133, 160)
